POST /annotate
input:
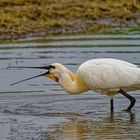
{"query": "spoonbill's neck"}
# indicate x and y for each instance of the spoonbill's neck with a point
(72, 83)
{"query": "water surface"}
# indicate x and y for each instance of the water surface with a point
(41, 110)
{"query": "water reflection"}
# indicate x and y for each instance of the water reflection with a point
(108, 128)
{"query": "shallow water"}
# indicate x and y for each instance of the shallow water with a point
(40, 110)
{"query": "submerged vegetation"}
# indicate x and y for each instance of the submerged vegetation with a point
(41, 17)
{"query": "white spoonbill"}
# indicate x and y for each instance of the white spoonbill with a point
(105, 75)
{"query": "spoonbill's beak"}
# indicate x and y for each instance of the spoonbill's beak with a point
(43, 67)
(47, 74)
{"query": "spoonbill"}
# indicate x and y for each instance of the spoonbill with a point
(104, 75)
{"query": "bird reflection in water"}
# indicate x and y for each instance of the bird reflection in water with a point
(111, 127)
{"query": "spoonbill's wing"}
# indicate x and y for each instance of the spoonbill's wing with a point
(106, 74)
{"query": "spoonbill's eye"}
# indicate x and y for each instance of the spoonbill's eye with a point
(52, 66)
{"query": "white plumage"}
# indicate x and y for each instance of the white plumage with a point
(105, 75)
(109, 75)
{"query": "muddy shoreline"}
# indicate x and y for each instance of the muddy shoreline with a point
(101, 26)
(22, 18)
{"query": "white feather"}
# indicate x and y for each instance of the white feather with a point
(108, 74)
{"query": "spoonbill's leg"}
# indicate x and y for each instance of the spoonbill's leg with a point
(111, 105)
(132, 99)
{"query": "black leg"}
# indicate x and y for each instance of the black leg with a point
(111, 105)
(132, 99)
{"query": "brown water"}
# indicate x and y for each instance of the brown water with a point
(40, 110)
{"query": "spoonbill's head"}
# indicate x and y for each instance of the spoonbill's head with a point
(63, 76)
(54, 72)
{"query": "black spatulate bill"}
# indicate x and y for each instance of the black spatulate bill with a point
(28, 79)
(42, 67)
